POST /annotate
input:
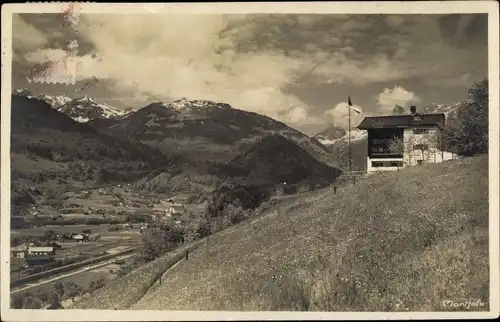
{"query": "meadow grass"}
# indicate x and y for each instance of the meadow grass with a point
(123, 292)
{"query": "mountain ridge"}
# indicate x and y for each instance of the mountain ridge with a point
(204, 129)
(48, 146)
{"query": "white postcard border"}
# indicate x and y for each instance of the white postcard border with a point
(387, 7)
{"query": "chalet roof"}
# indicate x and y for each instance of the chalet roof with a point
(19, 248)
(402, 121)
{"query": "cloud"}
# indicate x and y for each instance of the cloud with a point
(298, 115)
(147, 56)
(389, 98)
(252, 61)
(26, 37)
(413, 47)
(340, 115)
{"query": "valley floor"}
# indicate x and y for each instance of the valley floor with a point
(400, 241)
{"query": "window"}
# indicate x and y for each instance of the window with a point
(420, 131)
(387, 164)
(420, 162)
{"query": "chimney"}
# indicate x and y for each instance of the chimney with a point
(416, 116)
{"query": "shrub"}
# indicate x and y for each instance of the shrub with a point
(58, 292)
(17, 301)
(72, 289)
(124, 269)
(31, 302)
(158, 241)
(235, 214)
(246, 197)
(95, 285)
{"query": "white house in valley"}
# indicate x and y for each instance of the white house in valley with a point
(397, 141)
(177, 209)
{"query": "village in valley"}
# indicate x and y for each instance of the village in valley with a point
(112, 226)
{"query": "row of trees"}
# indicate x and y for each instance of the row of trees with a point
(466, 131)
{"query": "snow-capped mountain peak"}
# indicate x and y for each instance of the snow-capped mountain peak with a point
(55, 101)
(84, 109)
(23, 92)
(447, 109)
(334, 134)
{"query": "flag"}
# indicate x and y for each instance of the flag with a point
(350, 105)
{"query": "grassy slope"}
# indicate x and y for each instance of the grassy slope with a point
(405, 240)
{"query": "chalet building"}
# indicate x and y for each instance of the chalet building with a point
(176, 209)
(397, 141)
(19, 251)
(80, 238)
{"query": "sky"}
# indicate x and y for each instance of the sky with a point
(295, 68)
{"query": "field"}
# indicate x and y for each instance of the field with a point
(83, 281)
(101, 230)
(104, 205)
(400, 241)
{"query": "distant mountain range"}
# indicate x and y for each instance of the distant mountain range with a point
(448, 109)
(203, 130)
(81, 109)
(51, 151)
(183, 145)
(54, 101)
(85, 109)
(186, 146)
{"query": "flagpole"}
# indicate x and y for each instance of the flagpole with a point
(349, 131)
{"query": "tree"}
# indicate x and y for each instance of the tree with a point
(94, 285)
(58, 292)
(43, 297)
(31, 302)
(398, 110)
(425, 144)
(124, 269)
(204, 228)
(235, 213)
(72, 289)
(397, 146)
(158, 241)
(467, 131)
(17, 301)
(50, 235)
